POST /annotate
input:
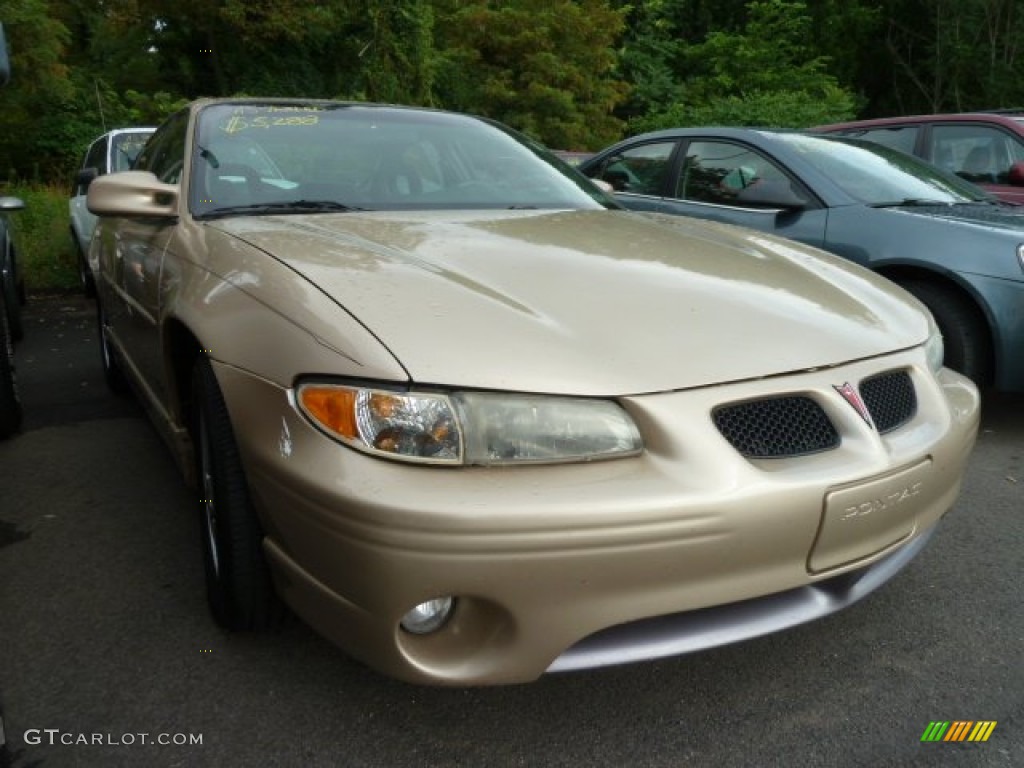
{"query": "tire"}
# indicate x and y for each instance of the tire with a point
(965, 336)
(238, 585)
(10, 403)
(112, 372)
(14, 302)
(85, 277)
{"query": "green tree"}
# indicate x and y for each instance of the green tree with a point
(764, 74)
(546, 67)
(37, 44)
(952, 55)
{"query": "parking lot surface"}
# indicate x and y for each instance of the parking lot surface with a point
(108, 656)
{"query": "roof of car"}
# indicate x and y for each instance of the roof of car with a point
(1003, 117)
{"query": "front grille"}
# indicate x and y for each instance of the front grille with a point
(890, 399)
(777, 427)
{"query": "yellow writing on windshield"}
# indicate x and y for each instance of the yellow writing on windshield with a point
(238, 123)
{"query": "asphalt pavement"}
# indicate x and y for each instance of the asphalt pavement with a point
(108, 656)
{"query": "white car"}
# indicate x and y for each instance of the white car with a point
(113, 151)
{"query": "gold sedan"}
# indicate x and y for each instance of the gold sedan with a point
(473, 422)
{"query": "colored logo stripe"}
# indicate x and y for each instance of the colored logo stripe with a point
(982, 730)
(958, 730)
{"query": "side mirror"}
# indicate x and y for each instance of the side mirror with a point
(1016, 174)
(5, 62)
(85, 177)
(771, 194)
(619, 180)
(133, 193)
(8, 204)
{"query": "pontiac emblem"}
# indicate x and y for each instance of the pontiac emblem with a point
(852, 396)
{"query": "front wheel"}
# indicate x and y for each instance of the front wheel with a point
(238, 584)
(108, 358)
(964, 333)
(10, 403)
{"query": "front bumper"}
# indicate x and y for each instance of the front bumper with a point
(542, 558)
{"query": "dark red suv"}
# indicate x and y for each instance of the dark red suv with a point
(986, 148)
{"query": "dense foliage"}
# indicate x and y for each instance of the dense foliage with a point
(575, 74)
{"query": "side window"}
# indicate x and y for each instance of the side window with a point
(96, 156)
(730, 174)
(902, 137)
(978, 153)
(164, 153)
(638, 170)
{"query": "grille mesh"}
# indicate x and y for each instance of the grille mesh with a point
(776, 427)
(890, 399)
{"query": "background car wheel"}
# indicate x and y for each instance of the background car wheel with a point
(108, 358)
(13, 304)
(239, 588)
(10, 404)
(964, 333)
(84, 273)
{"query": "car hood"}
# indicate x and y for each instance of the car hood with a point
(993, 216)
(587, 302)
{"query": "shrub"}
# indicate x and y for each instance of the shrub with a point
(42, 237)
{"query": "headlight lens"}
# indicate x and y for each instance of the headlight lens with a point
(506, 429)
(471, 427)
(934, 350)
(1020, 255)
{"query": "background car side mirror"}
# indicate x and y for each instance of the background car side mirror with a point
(5, 62)
(11, 204)
(619, 180)
(85, 177)
(1016, 174)
(771, 194)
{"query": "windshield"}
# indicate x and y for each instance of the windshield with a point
(125, 148)
(878, 175)
(278, 158)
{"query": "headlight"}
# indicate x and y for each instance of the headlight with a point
(471, 427)
(934, 350)
(1020, 255)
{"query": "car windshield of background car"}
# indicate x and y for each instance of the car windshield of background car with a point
(371, 158)
(126, 148)
(877, 175)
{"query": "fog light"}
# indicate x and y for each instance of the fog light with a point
(429, 616)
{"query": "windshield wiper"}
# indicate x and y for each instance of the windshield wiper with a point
(290, 206)
(910, 202)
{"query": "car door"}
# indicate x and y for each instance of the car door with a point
(82, 221)
(138, 254)
(733, 182)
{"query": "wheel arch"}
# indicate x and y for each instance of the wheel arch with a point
(181, 350)
(901, 273)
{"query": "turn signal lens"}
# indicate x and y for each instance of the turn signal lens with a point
(332, 407)
(934, 351)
